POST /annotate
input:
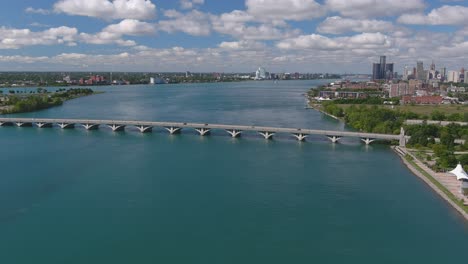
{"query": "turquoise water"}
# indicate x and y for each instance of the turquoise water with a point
(79, 196)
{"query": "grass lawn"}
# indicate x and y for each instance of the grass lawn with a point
(423, 109)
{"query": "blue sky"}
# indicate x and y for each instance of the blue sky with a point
(231, 35)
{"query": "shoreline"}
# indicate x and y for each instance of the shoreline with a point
(425, 178)
(400, 152)
(2, 113)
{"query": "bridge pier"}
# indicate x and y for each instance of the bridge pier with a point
(173, 130)
(334, 139)
(267, 135)
(89, 126)
(368, 141)
(234, 133)
(402, 138)
(203, 131)
(44, 125)
(6, 124)
(300, 136)
(24, 124)
(145, 129)
(66, 125)
(116, 127)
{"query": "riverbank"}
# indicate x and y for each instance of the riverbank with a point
(443, 184)
(448, 189)
(24, 103)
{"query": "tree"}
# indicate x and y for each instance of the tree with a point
(437, 115)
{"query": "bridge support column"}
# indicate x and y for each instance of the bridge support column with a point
(173, 130)
(66, 125)
(145, 129)
(91, 126)
(25, 124)
(234, 133)
(334, 139)
(368, 141)
(43, 125)
(267, 135)
(300, 136)
(117, 127)
(402, 138)
(203, 131)
(5, 124)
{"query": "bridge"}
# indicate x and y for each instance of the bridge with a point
(203, 129)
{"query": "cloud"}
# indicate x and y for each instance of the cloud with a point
(131, 27)
(108, 10)
(445, 15)
(189, 4)
(243, 25)
(242, 45)
(285, 9)
(318, 42)
(31, 10)
(373, 8)
(194, 23)
(339, 25)
(11, 38)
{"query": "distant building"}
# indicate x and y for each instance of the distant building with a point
(261, 74)
(427, 100)
(420, 74)
(400, 89)
(443, 74)
(466, 77)
(453, 76)
(152, 80)
(382, 70)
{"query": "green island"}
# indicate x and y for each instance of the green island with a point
(22, 102)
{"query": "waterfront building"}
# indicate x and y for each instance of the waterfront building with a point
(260, 74)
(382, 70)
(152, 80)
(342, 94)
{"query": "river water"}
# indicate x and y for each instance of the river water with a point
(76, 196)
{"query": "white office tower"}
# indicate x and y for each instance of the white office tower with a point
(453, 76)
(260, 74)
(152, 81)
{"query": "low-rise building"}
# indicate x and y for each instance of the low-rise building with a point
(426, 100)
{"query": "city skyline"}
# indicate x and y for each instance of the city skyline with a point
(335, 36)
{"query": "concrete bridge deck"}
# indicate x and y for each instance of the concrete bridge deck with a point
(203, 129)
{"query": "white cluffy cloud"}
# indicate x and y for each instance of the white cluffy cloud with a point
(318, 42)
(285, 9)
(11, 38)
(108, 10)
(189, 4)
(31, 10)
(373, 8)
(339, 25)
(445, 15)
(194, 23)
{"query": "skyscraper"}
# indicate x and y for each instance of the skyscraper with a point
(420, 75)
(376, 71)
(382, 70)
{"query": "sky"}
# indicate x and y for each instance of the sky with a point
(335, 36)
